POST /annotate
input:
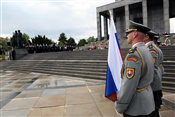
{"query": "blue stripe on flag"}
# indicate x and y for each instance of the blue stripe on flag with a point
(116, 36)
(110, 85)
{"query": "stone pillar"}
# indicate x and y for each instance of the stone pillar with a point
(105, 27)
(166, 15)
(99, 35)
(127, 16)
(145, 12)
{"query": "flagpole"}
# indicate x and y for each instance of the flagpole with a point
(111, 14)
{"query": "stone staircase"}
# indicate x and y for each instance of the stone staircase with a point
(85, 64)
(77, 68)
(168, 80)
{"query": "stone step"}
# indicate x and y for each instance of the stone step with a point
(167, 52)
(168, 66)
(68, 65)
(164, 49)
(169, 63)
(86, 76)
(168, 84)
(78, 68)
(168, 74)
(61, 65)
(65, 62)
(70, 58)
(61, 71)
(91, 58)
(168, 89)
(169, 55)
(171, 70)
(169, 58)
(168, 79)
(166, 58)
(62, 61)
(167, 47)
(100, 54)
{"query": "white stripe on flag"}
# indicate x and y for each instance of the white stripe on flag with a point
(114, 56)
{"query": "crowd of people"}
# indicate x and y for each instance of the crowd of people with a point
(39, 48)
(141, 89)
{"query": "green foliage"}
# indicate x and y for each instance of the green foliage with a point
(3, 43)
(71, 42)
(41, 40)
(91, 39)
(82, 42)
(2, 57)
(25, 38)
(62, 40)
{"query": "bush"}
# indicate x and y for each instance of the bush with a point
(2, 57)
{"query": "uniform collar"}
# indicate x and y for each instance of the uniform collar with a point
(148, 43)
(138, 44)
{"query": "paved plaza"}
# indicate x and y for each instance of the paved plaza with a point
(43, 95)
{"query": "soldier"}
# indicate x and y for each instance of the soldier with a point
(158, 70)
(13, 54)
(135, 97)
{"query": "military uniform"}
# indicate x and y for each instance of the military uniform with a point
(158, 59)
(158, 72)
(135, 97)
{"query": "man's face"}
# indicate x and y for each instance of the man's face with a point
(130, 37)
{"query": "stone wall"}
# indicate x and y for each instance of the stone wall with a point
(20, 53)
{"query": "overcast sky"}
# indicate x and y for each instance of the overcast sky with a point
(76, 18)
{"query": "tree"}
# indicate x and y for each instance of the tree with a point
(82, 42)
(71, 42)
(4, 43)
(25, 38)
(62, 39)
(91, 39)
(41, 40)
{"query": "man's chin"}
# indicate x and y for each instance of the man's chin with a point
(129, 42)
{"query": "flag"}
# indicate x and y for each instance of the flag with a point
(114, 64)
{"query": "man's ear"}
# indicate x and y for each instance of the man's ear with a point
(135, 34)
(147, 37)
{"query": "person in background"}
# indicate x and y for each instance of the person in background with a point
(13, 54)
(157, 56)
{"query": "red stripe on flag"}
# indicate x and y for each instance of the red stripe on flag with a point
(121, 54)
(112, 97)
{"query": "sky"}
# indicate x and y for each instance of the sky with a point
(76, 18)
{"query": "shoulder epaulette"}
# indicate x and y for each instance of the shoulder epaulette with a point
(132, 50)
(152, 49)
(150, 46)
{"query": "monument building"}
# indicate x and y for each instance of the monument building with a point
(152, 13)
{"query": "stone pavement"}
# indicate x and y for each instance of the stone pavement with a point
(44, 95)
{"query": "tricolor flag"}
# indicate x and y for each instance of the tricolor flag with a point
(113, 76)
